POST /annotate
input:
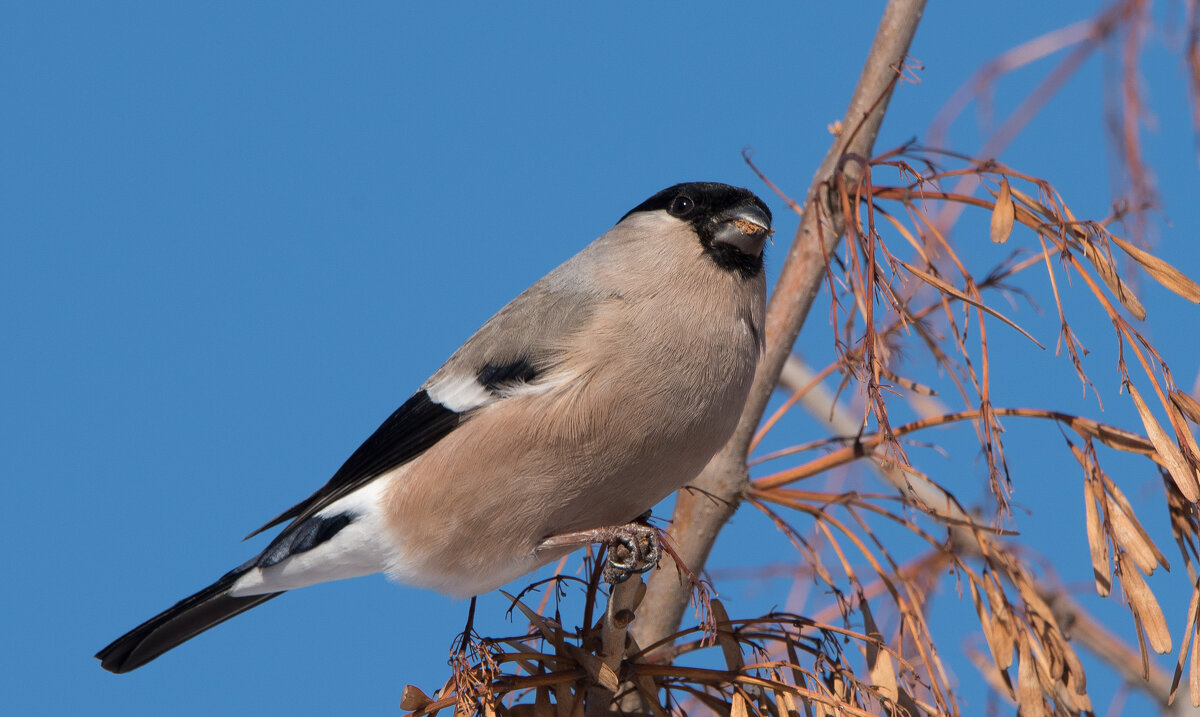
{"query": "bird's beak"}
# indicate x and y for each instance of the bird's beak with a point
(745, 228)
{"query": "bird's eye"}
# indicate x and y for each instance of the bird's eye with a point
(681, 206)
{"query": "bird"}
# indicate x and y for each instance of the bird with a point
(601, 389)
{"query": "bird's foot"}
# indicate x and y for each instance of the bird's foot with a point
(633, 548)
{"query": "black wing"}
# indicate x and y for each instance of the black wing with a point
(408, 432)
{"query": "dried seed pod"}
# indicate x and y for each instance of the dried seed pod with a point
(1168, 452)
(1133, 539)
(1187, 405)
(879, 660)
(1097, 542)
(1145, 605)
(1194, 668)
(1189, 635)
(1164, 273)
(1000, 634)
(729, 646)
(1112, 436)
(1109, 275)
(1029, 691)
(1003, 214)
(413, 699)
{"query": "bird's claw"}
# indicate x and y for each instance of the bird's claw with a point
(634, 549)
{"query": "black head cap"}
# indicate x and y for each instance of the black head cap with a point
(718, 213)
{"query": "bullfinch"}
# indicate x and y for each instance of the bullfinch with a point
(597, 392)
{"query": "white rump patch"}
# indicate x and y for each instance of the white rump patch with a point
(360, 548)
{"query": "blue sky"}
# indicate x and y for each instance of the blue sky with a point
(236, 237)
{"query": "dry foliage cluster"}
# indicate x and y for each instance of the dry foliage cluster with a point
(899, 286)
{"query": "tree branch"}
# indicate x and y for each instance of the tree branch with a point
(700, 515)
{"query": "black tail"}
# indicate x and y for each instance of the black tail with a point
(178, 624)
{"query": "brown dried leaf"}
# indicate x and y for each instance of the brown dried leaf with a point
(1194, 669)
(413, 699)
(879, 660)
(1163, 272)
(1143, 602)
(1130, 535)
(785, 704)
(1097, 543)
(544, 625)
(595, 667)
(1116, 494)
(1076, 678)
(739, 707)
(883, 675)
(729, 646)
(1048, 656)
(542, 707)
(1029, 692)
(1186, 405)
(1112, 436)
(1075, 701)
(1048, 677)
(1003, 214)
(1107, 273)
(947, 288)
(837, 685)
(1036, 608)
(1182, 432)
(1172, 458)
(1188, 634)
(998, 628)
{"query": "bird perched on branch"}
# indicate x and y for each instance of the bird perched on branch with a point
(593, 395)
